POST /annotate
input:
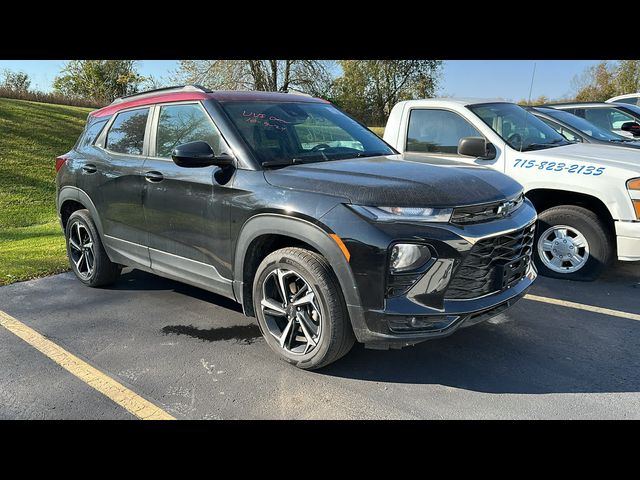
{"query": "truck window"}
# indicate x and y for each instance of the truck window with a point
(437, 131)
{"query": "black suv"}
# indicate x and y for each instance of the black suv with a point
(298, 212)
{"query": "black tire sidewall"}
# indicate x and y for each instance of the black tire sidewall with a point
(317, 355)
(587, 224)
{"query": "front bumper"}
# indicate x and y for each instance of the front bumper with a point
(429, 309)
(628, 240)
(456, 314)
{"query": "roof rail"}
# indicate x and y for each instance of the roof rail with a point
(149, 93)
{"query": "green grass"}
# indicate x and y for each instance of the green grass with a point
(32, 135)
(377, 130)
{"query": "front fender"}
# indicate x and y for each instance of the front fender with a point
(314, 235)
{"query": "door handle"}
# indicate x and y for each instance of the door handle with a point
(89, 168)
(153, 177)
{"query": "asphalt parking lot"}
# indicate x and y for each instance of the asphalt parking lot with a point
(195, 356)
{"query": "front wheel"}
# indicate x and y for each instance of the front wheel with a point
(572, 243)
(300, 308)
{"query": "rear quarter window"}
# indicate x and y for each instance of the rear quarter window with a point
(90, 134)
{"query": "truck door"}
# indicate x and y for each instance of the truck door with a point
(435, 132)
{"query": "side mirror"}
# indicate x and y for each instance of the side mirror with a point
(632, 127)
(476, 147)
(199, 154)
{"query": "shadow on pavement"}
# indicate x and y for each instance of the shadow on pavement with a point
(539, 349)
(143, 281)
(543, 350)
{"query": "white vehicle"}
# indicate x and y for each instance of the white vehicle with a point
(632, 98)
(587, 195)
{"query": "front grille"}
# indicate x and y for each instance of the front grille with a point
(486, 212)
(492, 265)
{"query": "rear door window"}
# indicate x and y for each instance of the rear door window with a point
(126, 134)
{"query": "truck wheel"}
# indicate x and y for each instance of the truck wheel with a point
(300, 308)
(86, 254)
(572, 243)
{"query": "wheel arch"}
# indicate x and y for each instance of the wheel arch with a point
(302, 233)
(545, 198)
(69, 199)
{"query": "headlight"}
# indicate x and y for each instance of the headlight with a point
(633, 186)
(393, 214)
(408, 256)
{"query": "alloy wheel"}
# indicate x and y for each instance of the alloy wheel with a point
(81, 248)
(291, 311)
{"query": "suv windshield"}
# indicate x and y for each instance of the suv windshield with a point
(282, 133)
(583, 125)
(518, 127)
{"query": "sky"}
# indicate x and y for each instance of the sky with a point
(507, 79)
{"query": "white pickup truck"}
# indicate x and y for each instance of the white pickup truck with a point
(587, 195)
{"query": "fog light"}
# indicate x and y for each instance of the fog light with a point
(408, 256)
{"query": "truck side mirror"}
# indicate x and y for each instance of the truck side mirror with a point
(476, 147)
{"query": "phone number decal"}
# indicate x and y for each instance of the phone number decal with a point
(559, 167)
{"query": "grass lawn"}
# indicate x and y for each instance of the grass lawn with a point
(32, 135)
(377, 130)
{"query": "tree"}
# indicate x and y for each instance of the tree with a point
(607, 79)
(628, 77)
(99, 80)
(541, 100)
(18, 82)
(368, 89)
(308, 76)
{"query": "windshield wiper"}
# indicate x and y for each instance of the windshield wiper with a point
(540, 146)
(293, 161)
(371, 154)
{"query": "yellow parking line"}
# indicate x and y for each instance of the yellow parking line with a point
(580, 306)
(127, 399)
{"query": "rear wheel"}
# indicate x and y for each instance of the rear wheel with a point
(86, 254)
(300, 308)
(573, 243)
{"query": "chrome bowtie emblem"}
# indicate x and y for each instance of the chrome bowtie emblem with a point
(505, 208)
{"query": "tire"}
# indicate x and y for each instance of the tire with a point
(334, 334)
(103, 271)
(599, 242)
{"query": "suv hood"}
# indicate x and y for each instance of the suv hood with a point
(605, 155)
(390, 181)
